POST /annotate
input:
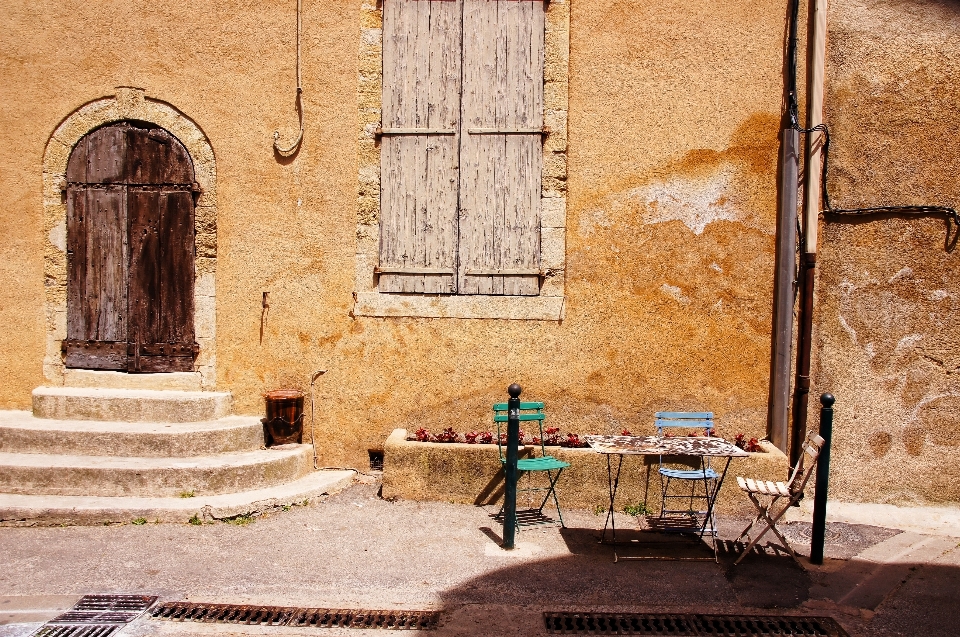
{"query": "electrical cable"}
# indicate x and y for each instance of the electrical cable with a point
(951, 214)
(313, 417)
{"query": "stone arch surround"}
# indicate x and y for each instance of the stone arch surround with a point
(127, 104)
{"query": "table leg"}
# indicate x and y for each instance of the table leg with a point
(613, 482)
(711, 500)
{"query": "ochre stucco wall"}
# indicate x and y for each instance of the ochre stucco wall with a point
(889, 294)
(673, 122)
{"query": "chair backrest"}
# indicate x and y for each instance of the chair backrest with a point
(529, 412)
(811, 446)
(684, 420)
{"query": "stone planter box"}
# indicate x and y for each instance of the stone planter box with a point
(470, 474)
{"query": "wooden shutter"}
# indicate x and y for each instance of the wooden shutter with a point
(130, 252)
(501, 147)
(419, 146)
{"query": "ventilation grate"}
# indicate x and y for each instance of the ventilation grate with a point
(683, 625)
(376, 460)
(300, 617)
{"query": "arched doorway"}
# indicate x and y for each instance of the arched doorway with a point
(130, 251)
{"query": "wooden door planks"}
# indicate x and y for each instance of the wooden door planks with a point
(421, 74)
(161, 279)
(130, 248)
(97, 274)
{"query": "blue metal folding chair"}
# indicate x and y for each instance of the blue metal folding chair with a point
(693, 517)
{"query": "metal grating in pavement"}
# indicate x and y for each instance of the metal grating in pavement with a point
(96, 616)
(75, 630)
(299, 617)
(693, 625)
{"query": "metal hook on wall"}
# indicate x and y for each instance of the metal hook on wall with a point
(292, 150)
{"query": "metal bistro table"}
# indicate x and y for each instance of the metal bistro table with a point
(663, 446)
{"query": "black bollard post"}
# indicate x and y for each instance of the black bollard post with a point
(510, 471)
(818, 534)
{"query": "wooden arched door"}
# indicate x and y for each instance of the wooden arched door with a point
(130, 251)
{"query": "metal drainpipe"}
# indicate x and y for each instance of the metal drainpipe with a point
(784, 291)
(785, 269)
(817, 39)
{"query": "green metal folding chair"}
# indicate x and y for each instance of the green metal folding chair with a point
(531, 412)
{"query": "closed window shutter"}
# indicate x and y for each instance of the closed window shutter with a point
(419, 146)
(501, 147)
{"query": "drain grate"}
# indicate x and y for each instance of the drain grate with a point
(683, 625)
(300, 617)
(96, 616)
(73, 630)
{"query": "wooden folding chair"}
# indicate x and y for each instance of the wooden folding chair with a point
(784, 495)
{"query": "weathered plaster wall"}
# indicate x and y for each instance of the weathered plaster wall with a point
(888, 289)
(672, 128)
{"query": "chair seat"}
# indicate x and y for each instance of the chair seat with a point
(764, 487)
(545, 463)
(689, 474)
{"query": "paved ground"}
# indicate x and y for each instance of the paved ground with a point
(355, 550)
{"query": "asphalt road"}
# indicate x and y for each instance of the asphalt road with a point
(355, 550)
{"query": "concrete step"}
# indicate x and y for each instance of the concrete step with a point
(113, 476)
(41, 510)
(22, 432)
(183, 381)
(130, 405)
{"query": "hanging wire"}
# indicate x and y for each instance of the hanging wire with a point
(295, 146)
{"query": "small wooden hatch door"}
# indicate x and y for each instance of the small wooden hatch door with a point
(130, 251)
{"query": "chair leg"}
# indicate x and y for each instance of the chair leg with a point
(761, 511)
(664, 487)
(760, 535)
(553, 492)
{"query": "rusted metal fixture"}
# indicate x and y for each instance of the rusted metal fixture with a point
(804, 344)
(284, 422)
(819, 531)
(689, 624)
(300, 617)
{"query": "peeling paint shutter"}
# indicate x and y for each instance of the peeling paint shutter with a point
(419, 146)
(501, 147)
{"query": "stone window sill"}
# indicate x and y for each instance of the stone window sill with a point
(530, 308)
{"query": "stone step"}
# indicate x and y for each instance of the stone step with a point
(41, 510)
(130, 405)
(113, 476)
(21, 432)
(182, 381)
